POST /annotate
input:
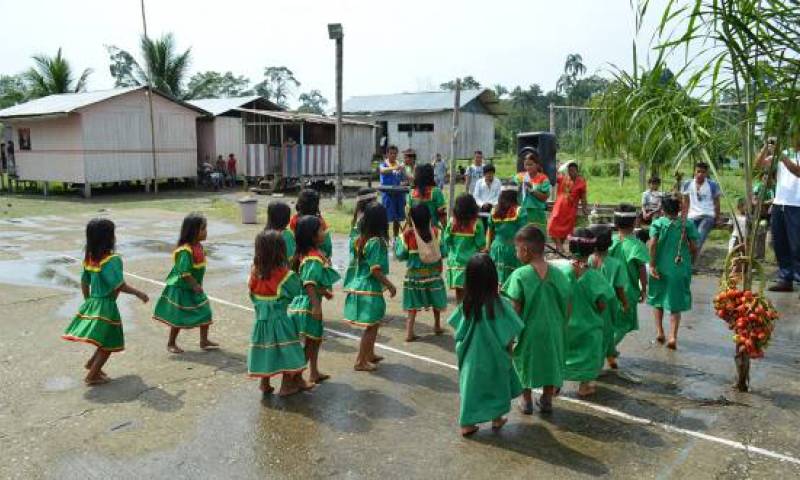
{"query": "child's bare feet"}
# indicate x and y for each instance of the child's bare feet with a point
(468, 430)
(98, 380)
(586, 390)
(498, 423)
(376, 359)
(287, 389)
(265, 387)
(304, 384)
(525, 406)
(661, 339)
(612, 363)
(672, 344)
(365, 367)
(174, 349)
(209, 345)
(545, 404)
(319, 377)
(412, 338)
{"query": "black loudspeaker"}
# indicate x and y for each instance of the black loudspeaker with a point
(545, 144)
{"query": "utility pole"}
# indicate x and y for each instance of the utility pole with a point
(552, 117)
(150, 103)
(453, 142)
(335, 32)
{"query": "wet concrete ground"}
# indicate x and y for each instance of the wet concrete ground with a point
(196, 415)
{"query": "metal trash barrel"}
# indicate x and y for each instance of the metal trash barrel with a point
(248, 207)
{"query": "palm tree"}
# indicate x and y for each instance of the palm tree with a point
(52, 75)
(161, 66)
(574, 66)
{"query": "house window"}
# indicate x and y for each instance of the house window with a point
(414, 127)
(24, 138)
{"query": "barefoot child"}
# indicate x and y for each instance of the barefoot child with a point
(318, 278)
(463, 237)
(98, 321)
(364, 305)
(423, 287)
(275, 347)
(673, 248)
(425, 192)
(634, 257)
(614, 272)
(485, 327)
(534, 190)
(278, 215)
(506, 220)
(308, 204)
(183, 303)
(365, 197)
(541, 295)
(591, 294)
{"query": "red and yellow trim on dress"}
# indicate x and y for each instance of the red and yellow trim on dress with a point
(410, 240)
(296, 217)
(72, 338)
(508, 217)
(465, 230)
(427, 194)
(95, 267)
(275, 373)
(182, 327)
(199, 305)
(197, 252)
(363, 324)
(100, 318)
(268, 289)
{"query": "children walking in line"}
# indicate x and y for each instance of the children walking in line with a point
(318, 278)
(463, 237)
(275, 347)
(308, 204)
(673, 247)
(423, 288)
(591, 294)
(364, 305)
(614, 272)
(425, 192)
(541, 295)
(506, 220)
(534, 190)
(98, 321)
(485, 327)
(278, 216)
(629, 250)
(183, 303)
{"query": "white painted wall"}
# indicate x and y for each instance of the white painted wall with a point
(56, 152)
(229, 138)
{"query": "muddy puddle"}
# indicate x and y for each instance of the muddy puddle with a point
(40, 271)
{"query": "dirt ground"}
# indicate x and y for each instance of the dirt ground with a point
(196, 415)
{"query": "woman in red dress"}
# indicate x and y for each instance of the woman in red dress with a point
(571, 191)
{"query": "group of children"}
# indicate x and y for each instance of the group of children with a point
(522, 322)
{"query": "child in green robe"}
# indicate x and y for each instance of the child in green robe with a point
(423, 287)
(425, 192)
(278, 216)
(308, 204)
(98, 321)
(364, 198)
(506, 220)
(318, 278)
(591, 294)
(534, 190)
(364, 306)
(632, 252)
(275, 347)
(672, 252)
(541, 295)
(463, 237)
(614, 272)
(485, 327)
(183, 303)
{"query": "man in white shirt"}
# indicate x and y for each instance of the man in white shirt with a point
(474, 172)
(785, 213)
(701, 202)
(487, 189)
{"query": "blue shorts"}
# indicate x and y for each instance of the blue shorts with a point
(395, 204)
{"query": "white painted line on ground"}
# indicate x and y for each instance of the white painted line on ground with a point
(592, 406)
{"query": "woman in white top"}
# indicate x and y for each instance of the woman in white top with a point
(487, 189)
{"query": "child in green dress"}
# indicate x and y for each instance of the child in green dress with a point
(425, 192)
(591, 294)
(98, 321)
(485, 327)
(275, 347)
(534, 190)
(463, 237)
(183, 303)
(614, 272)
(278, 216)
(673, 249)
(308, 204)
(364, 198)
(423, 287)
(541, 295)
(633, 254)
(364, 306)
(506, 220)
(318, 278)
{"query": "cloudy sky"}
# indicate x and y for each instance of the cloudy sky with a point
(390, 46)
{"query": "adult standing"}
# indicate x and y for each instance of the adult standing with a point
(439, 170)
(487, 189)
(785, 214)
(570, 193)
(409, 163)
(701, 202)
(392, 174)
(474, 172)
(232, 169)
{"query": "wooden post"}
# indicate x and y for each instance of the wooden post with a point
(150, 103)
(453, 144)
(339, 169)
(46, 188)
(621, 170)
(87, 190)
(552, 118)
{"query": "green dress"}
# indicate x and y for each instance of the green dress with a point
(423, 287)
(432, 197)
(502, 249)
(614, 272)
(539, 354)
(633, 254)
(462, 243)
(535, 209)
(364, 305)
(352, 264)
(180, 306)
(486, 378)
(288, 239)
(585, 347)
(672, 292)
(315, 269)
(98, 321)
(275, 346)
(327, 244)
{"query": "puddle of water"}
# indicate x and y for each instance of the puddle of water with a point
(59, 384)
(49, 272)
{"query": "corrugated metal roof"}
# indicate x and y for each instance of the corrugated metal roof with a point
(420, 102)
(303, 117)
(218, 106)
